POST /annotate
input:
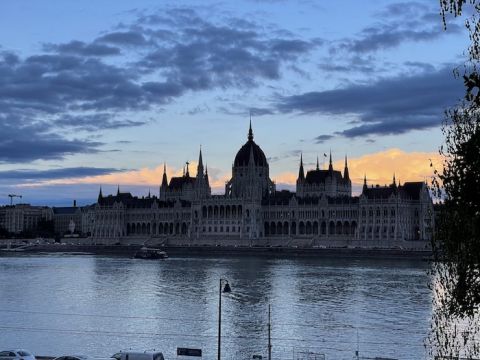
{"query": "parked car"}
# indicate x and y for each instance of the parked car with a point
(138, 355)
(71, 357)
(19, 354)
(78, 357)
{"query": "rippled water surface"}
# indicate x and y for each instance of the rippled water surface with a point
(97, 305)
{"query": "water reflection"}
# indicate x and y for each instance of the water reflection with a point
(97, 305)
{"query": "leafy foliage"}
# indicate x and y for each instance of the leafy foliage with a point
(456, 267)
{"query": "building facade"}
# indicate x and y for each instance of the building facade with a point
(321, 212)
(23, 217)
(66, 218)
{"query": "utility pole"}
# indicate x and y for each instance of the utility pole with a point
(269, 334)
(227, 289)
(219, 318)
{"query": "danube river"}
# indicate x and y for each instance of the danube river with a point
(97, 305)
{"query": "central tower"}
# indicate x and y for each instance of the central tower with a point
(250, 172)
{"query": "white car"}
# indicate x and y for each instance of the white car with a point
(18, 354)
(79, 357)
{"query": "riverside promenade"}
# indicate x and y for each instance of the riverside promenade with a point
(221, 251)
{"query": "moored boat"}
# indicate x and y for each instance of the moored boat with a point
(150, 253)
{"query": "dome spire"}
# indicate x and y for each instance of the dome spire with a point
(250, 132)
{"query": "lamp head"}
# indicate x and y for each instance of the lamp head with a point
(227, 288)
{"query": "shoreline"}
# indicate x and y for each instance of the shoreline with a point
(224, 251)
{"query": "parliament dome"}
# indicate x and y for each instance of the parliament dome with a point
(243, 155)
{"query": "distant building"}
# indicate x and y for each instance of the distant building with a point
(322, 211)
(23, 217)
(63, 216)
(88, 220)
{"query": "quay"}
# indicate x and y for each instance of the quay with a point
(261, 251)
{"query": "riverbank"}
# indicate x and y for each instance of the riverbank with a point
(222, 251)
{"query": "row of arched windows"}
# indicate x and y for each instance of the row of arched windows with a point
(221, 211)
(309, 228)
(168, 228)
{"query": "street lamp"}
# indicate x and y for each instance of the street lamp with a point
(226, 289)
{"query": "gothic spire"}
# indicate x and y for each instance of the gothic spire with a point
(100, 195)
(330, 165)
(200, 160)
(206, 174)
(301, 173)
(118, 189)
(318, 166)
(164, 178)
(346, 174)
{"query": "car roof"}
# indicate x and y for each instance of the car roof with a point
(139, 351)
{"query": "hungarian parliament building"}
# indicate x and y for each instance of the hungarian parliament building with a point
(321, 212)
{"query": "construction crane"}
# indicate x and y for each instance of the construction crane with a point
(11, 196)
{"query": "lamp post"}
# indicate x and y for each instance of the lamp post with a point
(226, 289)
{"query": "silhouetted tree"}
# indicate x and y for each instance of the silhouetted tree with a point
(456, 245)
(3, 232)
(45, 228)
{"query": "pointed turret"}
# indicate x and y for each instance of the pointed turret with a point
(200, 163)
(100, 195)
(318, 166)
(206, 175)
(330, 165)
(394, 182)
(148, 194)
(346, 174)
(118, 190)
(164, 177)
(301, 173)
(365, 182)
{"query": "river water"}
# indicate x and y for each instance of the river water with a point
(97, 305)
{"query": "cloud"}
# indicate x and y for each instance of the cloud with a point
(379, 167)
(22, 141)
(95, 122)
(200, 54)
(388, 106)
(398, 23)
(76, 47)
(144, 177)
(125, 38)
(75, 86)
(322, 138)
(31, 175)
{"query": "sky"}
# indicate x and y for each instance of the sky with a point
(103, 93)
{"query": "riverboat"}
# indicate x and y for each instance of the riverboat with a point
(150, 254)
